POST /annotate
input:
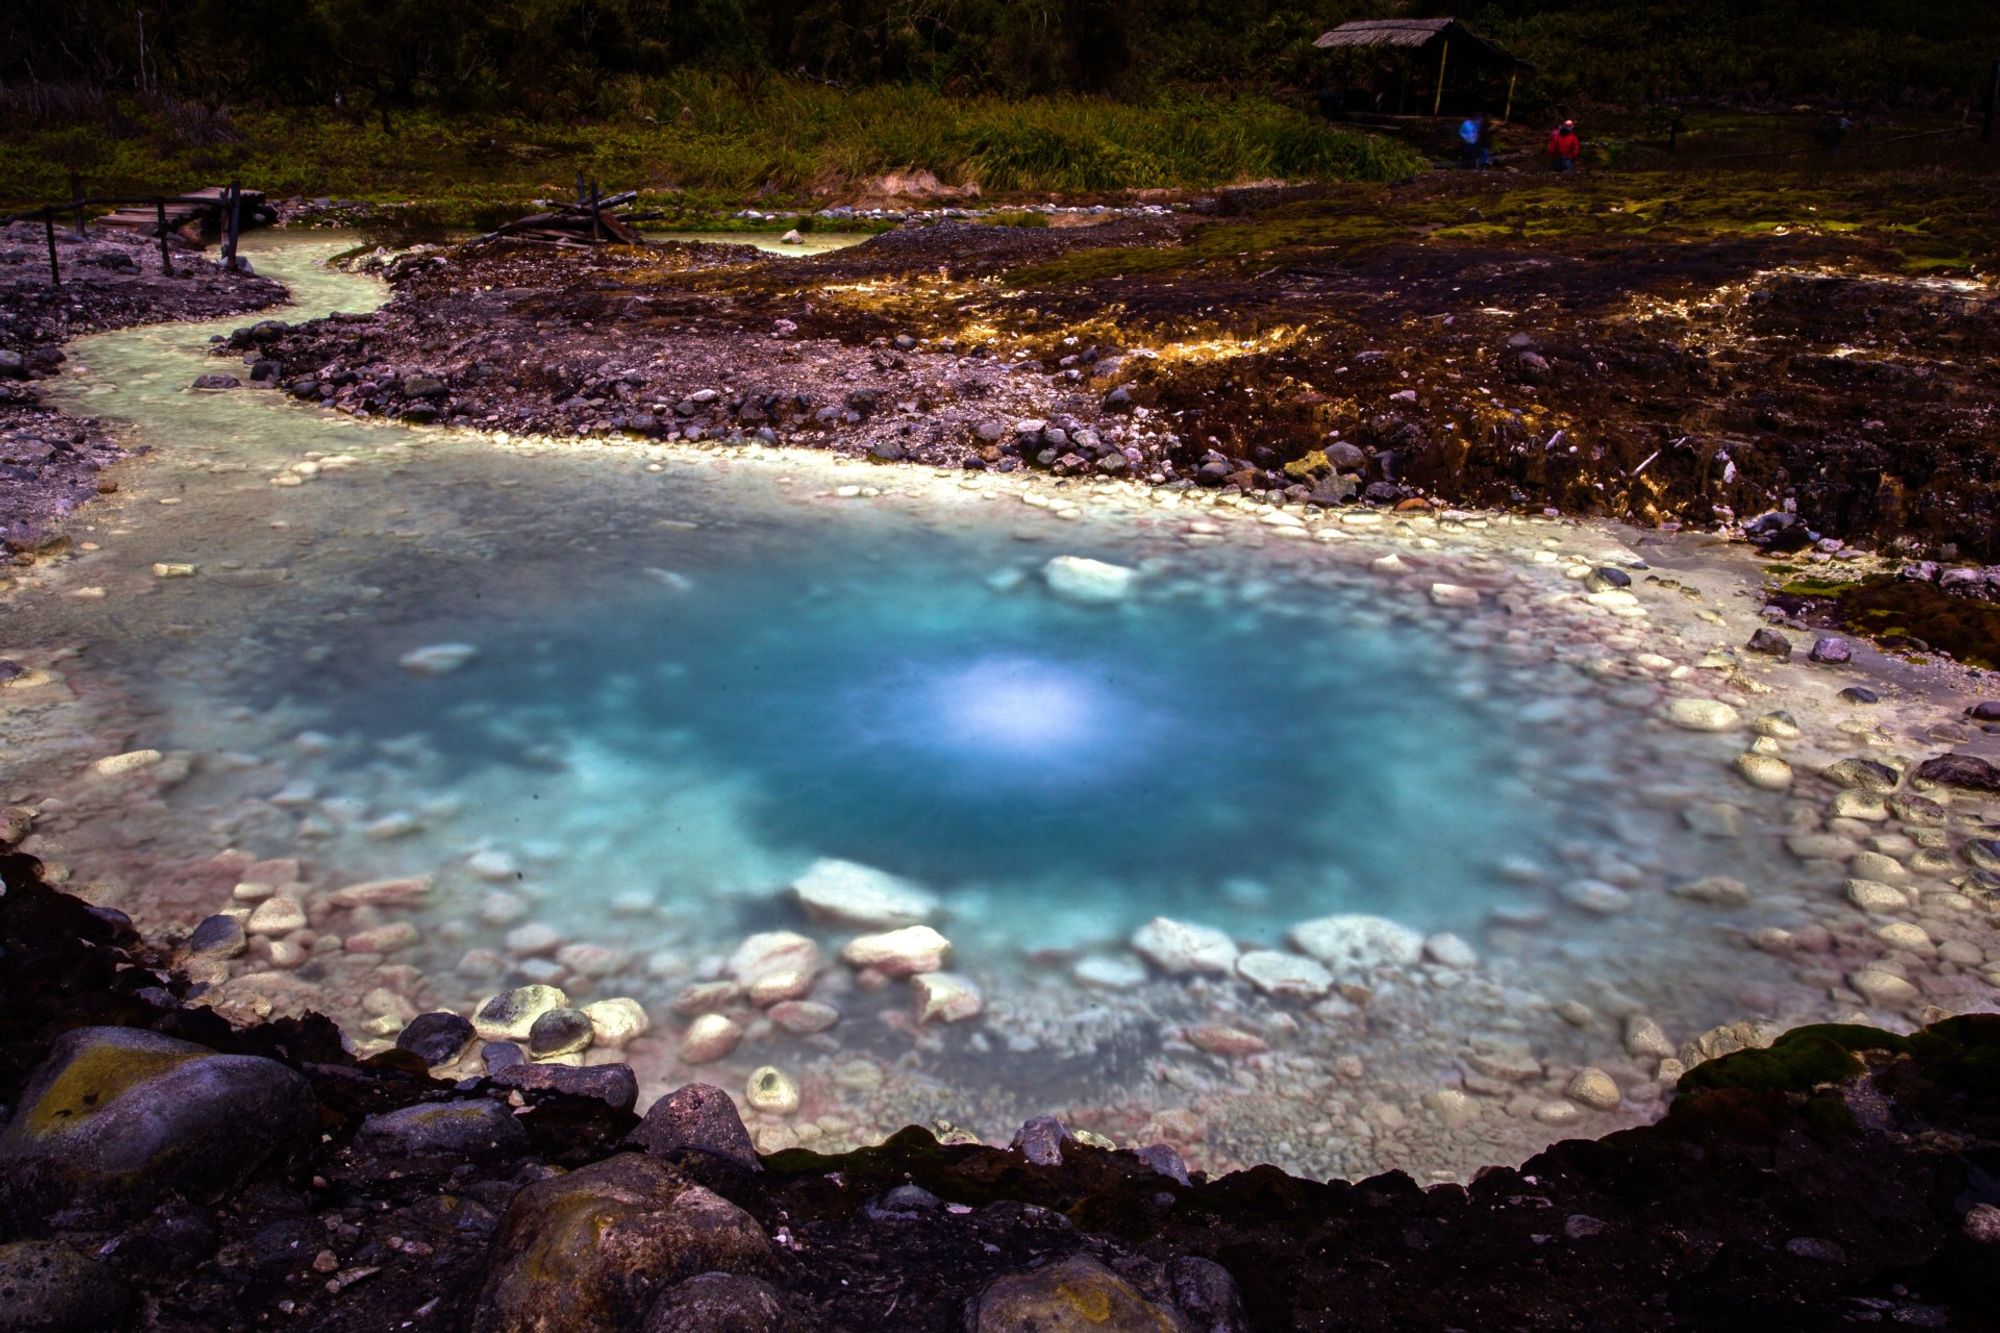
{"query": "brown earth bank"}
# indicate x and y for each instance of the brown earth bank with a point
(163, 1170)
(51, 462)
(1649, 347)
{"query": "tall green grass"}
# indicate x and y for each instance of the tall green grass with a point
(707, 140)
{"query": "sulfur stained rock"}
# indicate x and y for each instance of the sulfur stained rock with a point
(593, 1249)
(1074, 1295)
(115, 1118)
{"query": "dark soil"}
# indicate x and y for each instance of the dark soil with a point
(50, 463)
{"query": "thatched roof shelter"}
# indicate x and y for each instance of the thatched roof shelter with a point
(1452, 44)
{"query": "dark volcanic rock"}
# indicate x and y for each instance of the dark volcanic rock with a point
(1770, 643)
(436, 1038)
(116, 1118)
(1831, 650)
(1958, 770)
(723, 1303)
(459, 1128)
(614, 1085)
(47, 1287)
(697, 1118)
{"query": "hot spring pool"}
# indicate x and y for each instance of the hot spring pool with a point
(598, 708)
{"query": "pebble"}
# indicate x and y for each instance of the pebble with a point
(1882, 988)
(1855, 803)
(1876, 866)
(1179, 947)
(1870, 896)
(1354, 944)
(173, 569)
(511, 1015)
(1763, 771)
(1449, 950)
(710, 1037)
(769, 1092)
(1079, 579)
(1702, 715)
(1905, 935)
(130, 762)
(559, 1031)
(382, 939)
(439, 659)
(1644, 1037)
(1453, 594)
(945, 997)
(899, 953)
(803, 1017)
(1716, 891)
(1225, 1041)
(1594, 1088)
(1595, 896)
(1108, 972)
(1831, 650)
(279, 914)
(1558, 1113)
(1863, 774)
(1777, 726)
(616, 1021)
(1284, 975)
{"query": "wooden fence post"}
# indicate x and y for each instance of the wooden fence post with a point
(49, 225)
(166, 255)
(232, 224)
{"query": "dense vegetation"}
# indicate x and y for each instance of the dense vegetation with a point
(590, 57)
(791, 99)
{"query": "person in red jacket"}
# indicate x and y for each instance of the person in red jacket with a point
(1564, 146)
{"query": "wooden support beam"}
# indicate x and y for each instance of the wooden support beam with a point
(1508, 113)
(1444, 54)
(232, 227)
(166, 251)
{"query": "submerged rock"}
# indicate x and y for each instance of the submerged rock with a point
(511, 1015)
(1354, 944)
(857, 895)
(1076, 578)
(1957, 770)
(1180, 947)
(439, 659)
(899, 953)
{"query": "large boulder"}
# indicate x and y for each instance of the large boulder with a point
(116, 1118)
(46, 1287)
(1075, 1295)
(594, 1249)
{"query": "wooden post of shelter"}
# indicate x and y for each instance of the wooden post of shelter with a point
(232, 224)
(1507, 114)
(49, 226)
(166, 251)
(1444, 54)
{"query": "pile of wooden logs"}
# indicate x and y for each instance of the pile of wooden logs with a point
(588, 221)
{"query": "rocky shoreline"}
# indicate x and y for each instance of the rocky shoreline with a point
(167, 1171)
(51, 462)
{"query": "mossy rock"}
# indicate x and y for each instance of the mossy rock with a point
(1077, 1295)
(116, 1118)
(1801, 1060)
